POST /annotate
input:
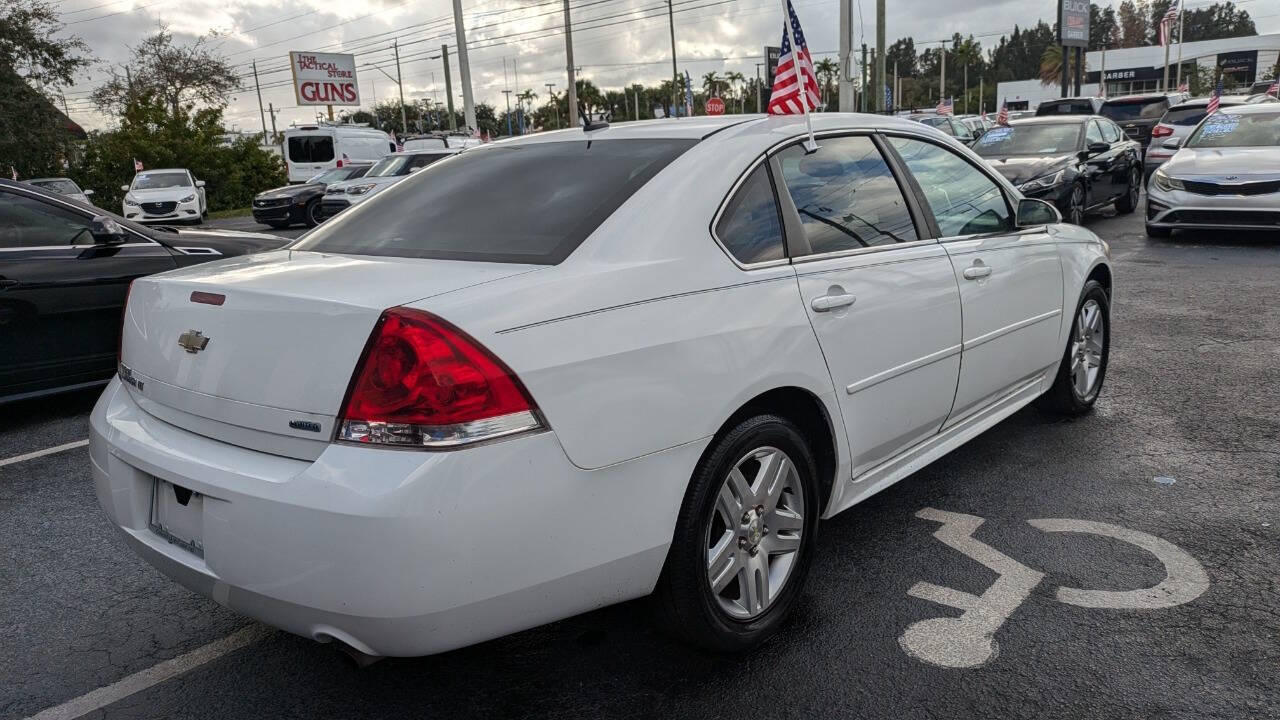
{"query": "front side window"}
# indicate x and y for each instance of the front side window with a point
(1093, 134)
(750, 228)
(26, 222)
(846, 195)
(964, 200)
(1111, 132)
(446, 211)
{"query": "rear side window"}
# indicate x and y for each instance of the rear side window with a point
(750, 228)
(448, 210)
(846, 196)
(310, 148)
(963, 199)
(1111, 132)
(1144, 109)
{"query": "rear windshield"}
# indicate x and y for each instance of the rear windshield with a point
(1143, 109)
(1066, 107)
(942, 123)
(310, 148)
(1185, 117)
(482, 204)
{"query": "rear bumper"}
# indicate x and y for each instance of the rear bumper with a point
(394, 552)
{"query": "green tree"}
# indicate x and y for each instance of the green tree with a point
(1104, 29)
(826, 69)
(1220, 20)
(1133, 23)
(177, 74)
(1051, 65)
(736, 80)
(33, 62)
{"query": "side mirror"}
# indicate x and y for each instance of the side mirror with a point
(106, 231)
(87, 193)
(1097, 148)
(1032, 213)
(124, 188)
(199, 183)
(1172, 143)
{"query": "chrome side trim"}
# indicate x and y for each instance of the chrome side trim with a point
(84, 246)
(864, 250)
(983, 339)
(903, 369)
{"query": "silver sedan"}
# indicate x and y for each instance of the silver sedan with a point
(1227, 175)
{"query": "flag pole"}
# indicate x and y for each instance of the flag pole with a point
(812, 144)
(1181, 14)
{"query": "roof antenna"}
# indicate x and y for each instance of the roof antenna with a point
(587, 123)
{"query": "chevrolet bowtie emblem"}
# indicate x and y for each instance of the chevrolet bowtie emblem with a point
(192, 341)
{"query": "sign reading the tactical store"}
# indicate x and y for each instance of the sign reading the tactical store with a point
(324, 78)
(1073, 23)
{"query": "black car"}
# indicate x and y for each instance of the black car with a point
(1076, 162)
(1137, 115)
(292, 204)
(948, 125)
(1071, 106)
(65, 269)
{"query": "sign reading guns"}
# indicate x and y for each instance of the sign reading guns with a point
(969, 640)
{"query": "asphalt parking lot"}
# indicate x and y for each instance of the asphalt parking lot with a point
(248, 224)
(1192, 397)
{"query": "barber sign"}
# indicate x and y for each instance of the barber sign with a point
(324, 78)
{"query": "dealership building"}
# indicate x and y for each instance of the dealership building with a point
(1140, 70)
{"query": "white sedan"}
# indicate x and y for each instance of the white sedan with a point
(165, 196)
(650, 367)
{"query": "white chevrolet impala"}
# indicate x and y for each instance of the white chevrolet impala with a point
(556, 373)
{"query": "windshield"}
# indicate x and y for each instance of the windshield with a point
(394, 165)
(333, 176)
(447, 211)
(62, 187)
(1238, 130)
(1035, 139)
(1144, 109)
(943, 124)
(156, 181)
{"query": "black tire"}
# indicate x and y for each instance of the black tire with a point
(311, 214)
(1128, 202)
(683, 600)
(1063, 397)
(1158, 232)
(1074, 212)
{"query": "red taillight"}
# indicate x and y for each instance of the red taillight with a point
(1161, 131)
(424, 382)
(339, 163)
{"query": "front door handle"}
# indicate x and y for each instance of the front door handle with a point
(6, 283)
(976, 272)
(826, 303)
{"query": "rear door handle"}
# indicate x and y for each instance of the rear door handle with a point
(976, 272)
(826, 303)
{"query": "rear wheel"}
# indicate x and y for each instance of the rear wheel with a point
(743, 538)
(1084, 363)
(1128, 202)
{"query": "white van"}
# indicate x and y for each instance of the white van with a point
(312, 149)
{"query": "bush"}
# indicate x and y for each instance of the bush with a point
(191, 139)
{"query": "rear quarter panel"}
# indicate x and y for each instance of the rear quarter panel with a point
(1082, 252)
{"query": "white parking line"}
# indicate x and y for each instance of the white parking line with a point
(42, 453)
(143, 679)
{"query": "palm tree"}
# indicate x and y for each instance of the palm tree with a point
(826, 69)
(711, 83)
(735, 78)
(1051, 65)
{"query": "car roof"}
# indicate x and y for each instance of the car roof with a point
(1203, 101)
(1254, 109)
(1055, 119)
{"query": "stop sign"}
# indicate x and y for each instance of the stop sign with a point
(715, 106)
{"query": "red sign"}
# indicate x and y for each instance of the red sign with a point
(715, 106)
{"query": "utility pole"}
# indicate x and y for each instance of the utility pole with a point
(448, 87)
(272, 111)
(862, 76)
(260, 112)
(880, 60)
(636, 91)
(468, 102)
(966, 88)
(568, 52)
(675, 73)
(982, 95)
(896, 97)
(760, 89)
(551, 94)
(507, 92)
(942, 75)
(845, 85)
(1102, 75)
(404, 122)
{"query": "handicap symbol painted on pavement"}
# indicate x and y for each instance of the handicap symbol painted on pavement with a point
(969, 640)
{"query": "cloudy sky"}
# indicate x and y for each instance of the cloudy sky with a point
(615, 41)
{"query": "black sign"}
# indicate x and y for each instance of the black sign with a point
(1073, 23)
(771, 55)
(1242, 65)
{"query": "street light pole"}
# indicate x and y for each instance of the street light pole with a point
(468, 101)
(568, 53)
(448, 88)
(845, 85)
(551, 94)
(880, 61)
(675, 73)
(404, 122)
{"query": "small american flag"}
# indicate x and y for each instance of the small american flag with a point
(1275, 88)
(1002, 118)
(1184, 87)
(795, 85)
(13, 172)
(945, 106)
(1215, 100)
(1166, 23)
(137, 165)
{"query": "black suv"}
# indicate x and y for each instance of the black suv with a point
(1071, 106)
(1138, 114)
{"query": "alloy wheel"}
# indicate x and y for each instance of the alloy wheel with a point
(754, 532)
(1086, 349)
(1077, 206)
